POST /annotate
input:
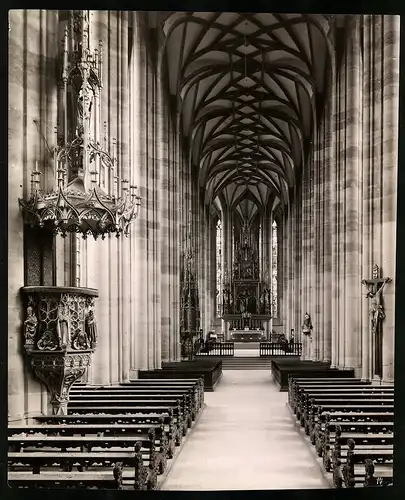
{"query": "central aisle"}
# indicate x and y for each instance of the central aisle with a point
(245, 440)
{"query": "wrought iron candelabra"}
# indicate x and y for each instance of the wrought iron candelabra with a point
(90, 193)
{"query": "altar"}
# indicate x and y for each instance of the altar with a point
(247, 335)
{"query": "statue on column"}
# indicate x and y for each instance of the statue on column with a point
(307, 326)
(91, 329)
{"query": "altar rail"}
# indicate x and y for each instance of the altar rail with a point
(217, 349)
(280, 349)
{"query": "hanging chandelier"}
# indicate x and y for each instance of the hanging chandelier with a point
(86, 189)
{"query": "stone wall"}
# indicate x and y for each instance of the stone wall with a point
(343, 217)
(32, 96)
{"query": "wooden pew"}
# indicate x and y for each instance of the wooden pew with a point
(108, 480)
(188, 406)
(34, 451)
(353, 416)
(301, 397)
(108, 405)
(360, 416)
(377, 446)
(197, 382)
(119, 419)
(193, 398)
(295, 386)
(163, 436)
(195, 385)
(107, 409)
(308, 399)
(354, 455)
(373, 477)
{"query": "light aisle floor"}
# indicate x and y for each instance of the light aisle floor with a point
(245, 440)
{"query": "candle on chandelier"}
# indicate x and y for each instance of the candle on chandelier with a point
(125, 183)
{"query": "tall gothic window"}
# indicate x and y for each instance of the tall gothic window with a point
(274, 280)
(219, 267)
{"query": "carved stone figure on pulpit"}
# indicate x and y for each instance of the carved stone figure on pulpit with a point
(30, 327)
(91, 329)
(62, 326)
(81, 341)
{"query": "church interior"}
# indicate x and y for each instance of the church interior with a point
(202, 220)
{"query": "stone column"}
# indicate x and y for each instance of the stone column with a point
(328, 227)
(18, 185)
(316, 239)
(166, 216)
(153, 187)
(124, 275)
(333, 212)
(390, 129)
(367, 199)
(139, 323)
(177, 235)
(351, 190)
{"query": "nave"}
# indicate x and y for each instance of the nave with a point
(244, 440)
(193, 193)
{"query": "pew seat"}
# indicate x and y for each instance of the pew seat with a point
(355, 416)
(358, 407)
(383, 474)
(69, 459)
(362, 427)
(365, 439)
(87, 443)
(162, 432)
(107, 480)
(181, 424)
(102, 419)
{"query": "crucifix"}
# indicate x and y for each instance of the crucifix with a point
(375, 287)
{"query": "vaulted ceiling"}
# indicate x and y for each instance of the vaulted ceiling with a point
(248, 85)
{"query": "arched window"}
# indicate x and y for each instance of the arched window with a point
(219, 267)
(274, 278)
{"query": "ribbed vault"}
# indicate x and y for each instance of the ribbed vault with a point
(248, 86)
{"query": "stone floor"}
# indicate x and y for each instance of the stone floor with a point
(245, 440)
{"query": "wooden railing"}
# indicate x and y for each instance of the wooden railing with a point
(280, 349)
(216, 349)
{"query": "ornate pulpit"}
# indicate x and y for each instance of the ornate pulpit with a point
(60, 336)
(84, 192)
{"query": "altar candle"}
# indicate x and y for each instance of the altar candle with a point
(36, 166)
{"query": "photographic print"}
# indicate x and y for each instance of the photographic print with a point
(202, 221)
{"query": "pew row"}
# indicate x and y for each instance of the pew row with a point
(350, 427)
(137, 426)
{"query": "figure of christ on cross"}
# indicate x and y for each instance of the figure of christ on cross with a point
(375, 287)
